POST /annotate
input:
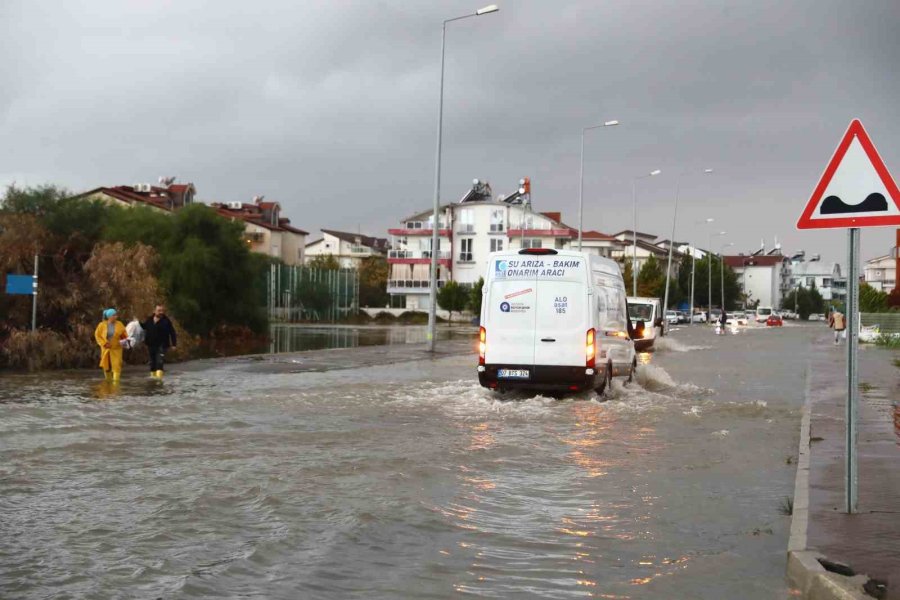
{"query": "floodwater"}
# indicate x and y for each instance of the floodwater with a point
(399, 477)
(296, 338)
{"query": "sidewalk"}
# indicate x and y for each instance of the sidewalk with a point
(868, 542)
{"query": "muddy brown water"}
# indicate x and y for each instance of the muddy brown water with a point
(265, 478)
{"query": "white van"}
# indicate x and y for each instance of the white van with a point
(763, 313)
(645, 317)
(553, 320)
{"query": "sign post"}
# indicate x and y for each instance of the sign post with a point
(856, 190)
(851, 485)
(34, 293)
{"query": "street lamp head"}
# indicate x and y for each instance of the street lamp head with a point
(487, 10)
(710, 220)
(707, 171)
(612, 123)
(655, 172)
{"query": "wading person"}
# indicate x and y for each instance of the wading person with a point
(109, 335)
(159, 335)
(837, 322)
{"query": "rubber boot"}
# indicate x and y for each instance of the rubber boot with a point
(108, 375)
(159, 374)
(116, 376)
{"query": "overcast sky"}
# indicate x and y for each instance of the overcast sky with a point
(330, 107)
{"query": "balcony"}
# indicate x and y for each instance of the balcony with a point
(544, 232)
(498, 227)
(465, 228)
(411, 286)
(420, 228)
(414, 257)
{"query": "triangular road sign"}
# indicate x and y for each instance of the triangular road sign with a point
(855, 190)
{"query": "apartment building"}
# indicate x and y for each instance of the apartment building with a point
(881, 273)
(468, 230)
(348, 248)
(760, 277)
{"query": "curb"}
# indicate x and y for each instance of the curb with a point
(804, 571)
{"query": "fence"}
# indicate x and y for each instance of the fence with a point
(297, 293)
(887, 322)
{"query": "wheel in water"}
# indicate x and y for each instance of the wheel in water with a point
(606, 383)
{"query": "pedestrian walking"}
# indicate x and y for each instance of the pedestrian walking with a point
(159, 335)
(837, 322)
(109, 336)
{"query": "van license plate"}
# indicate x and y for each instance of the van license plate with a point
(512, 373)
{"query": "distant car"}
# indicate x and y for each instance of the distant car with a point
(699, 317)
(672, 317)
(774, 321)
(763, 313)
(682, 316)
(715, 314)
(816, 317)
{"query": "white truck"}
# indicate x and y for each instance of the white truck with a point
(553, 320)
(646, 317)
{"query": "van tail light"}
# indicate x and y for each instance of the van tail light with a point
(482, 344)
(590, 348)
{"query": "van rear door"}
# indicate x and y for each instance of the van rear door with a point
(563, 308)
(510, 313)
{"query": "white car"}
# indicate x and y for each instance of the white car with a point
(763, 313)
(553, 320)
(672, 317)
(699, 317)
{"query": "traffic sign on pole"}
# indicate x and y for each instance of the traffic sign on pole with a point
(856, 189)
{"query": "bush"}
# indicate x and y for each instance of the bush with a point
(453, 298)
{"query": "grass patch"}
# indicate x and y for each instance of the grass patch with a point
(897, 362)
(888, 341)
(787, 506)
(866, 387)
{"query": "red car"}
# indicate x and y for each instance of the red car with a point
(774, 321)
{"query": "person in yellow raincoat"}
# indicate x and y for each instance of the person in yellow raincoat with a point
(109, 334)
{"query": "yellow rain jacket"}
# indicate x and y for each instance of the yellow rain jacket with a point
(110, 358)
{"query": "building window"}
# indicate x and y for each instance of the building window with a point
(496, 245)
(497, 220)
(810, 282)
(531, 243)
(466, 221)
(465, 250)
(826, 282)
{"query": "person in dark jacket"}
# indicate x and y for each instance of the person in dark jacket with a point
(159, 335)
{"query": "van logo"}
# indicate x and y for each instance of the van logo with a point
(504, 306)
(500, 268)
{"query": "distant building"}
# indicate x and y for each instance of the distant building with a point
(881, 273)
(169, 197)
(348, 248)
(265, 230)
(825, 277)
(468, 231)
(626, 251)
(594, 242)
(759, 276)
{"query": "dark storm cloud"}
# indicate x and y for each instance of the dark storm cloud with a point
(330, 107)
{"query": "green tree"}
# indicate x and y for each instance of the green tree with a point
(808, 301)
(324, 261)
(453, 298)
(628, 275)
(315, 297)
(140, 224)
(373, 275)
(872, 300)
(651, 279)
(38, 200)
(209, 272)
(475, 297)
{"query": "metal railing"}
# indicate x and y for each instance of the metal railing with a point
(413, 283)
(465, 228)
(417, 254)
(498, 227)
(296, 293)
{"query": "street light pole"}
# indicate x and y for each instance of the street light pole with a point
(634, 274)
(694, 269)
(722, 272)
(709, 269)
(581, 177)
(672, 245)
(435, 233)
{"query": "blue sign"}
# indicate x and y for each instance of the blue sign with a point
(20, 285)
(504, 306)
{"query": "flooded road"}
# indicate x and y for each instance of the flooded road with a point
(278, 478)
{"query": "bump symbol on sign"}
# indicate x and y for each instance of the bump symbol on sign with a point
(856, 189)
